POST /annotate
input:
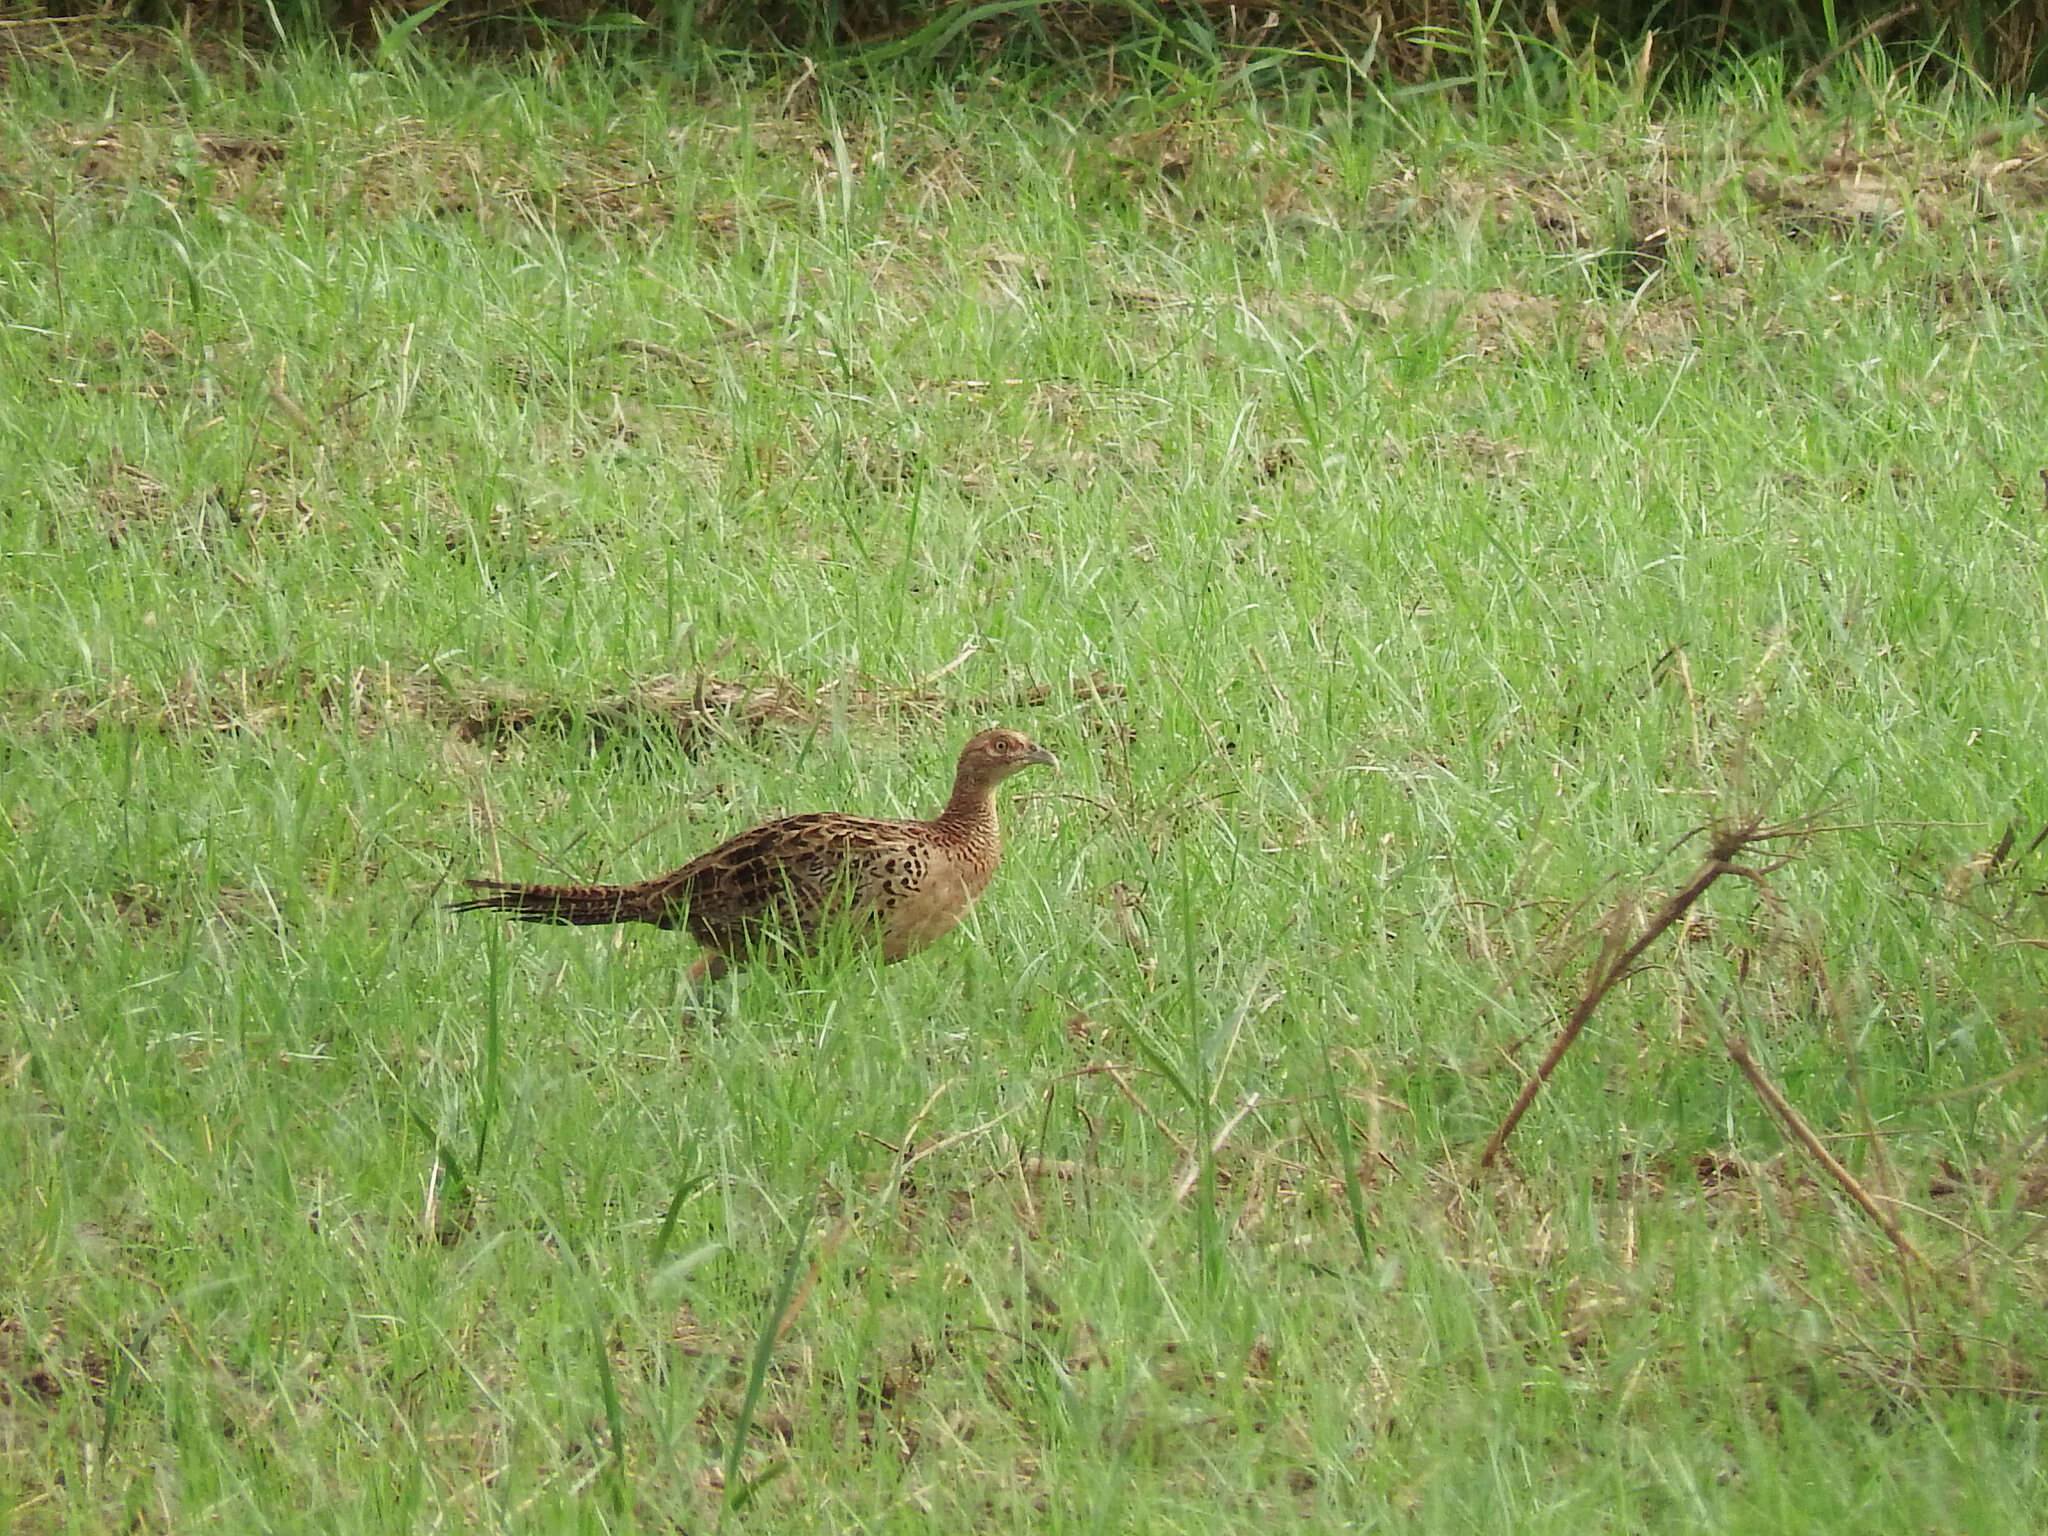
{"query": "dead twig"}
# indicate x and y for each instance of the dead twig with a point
(1795, 1123)
(1619, 954)
(653, 349)
(1849, 44)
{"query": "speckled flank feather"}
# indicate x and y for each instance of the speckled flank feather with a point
(906, 882)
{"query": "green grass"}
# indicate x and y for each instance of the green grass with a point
(449, 470)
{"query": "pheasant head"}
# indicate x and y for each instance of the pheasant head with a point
(985, 762)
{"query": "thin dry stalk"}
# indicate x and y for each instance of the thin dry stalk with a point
(1116, 1076)
(1838, 1012)
(1849, 44)
(1191, 1170)
(1617, 958)
(943, 1143)
(827, 1246)
(1738, 1052)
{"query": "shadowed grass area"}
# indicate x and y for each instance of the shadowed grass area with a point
(1407, 523)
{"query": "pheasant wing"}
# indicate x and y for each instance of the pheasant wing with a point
(786, 878)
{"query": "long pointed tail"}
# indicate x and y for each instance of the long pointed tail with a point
(562, 903)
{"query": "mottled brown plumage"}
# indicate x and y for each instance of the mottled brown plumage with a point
(906, 882)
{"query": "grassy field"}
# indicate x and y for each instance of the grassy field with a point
(1408, 521)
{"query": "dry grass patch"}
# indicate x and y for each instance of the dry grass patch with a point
(695, 710)
(391, 168)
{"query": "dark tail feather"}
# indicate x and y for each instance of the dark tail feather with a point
(558, 903)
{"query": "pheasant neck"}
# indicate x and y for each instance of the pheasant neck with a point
(970, 815)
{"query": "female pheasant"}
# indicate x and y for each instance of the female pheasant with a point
(904, 882)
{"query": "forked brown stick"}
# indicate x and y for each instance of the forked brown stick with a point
(1618, 959)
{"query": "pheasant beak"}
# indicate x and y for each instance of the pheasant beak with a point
(1038, 754)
